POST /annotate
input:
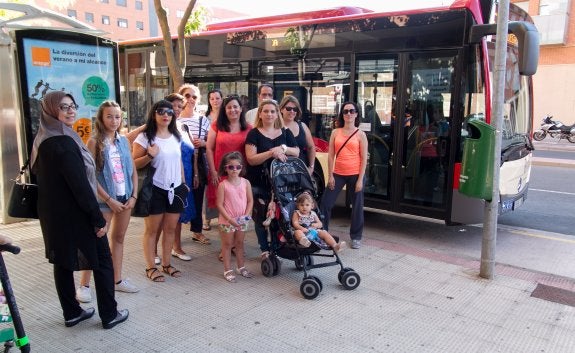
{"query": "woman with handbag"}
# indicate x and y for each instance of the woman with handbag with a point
(75, 231)
(347, 160)
(268, 140)
(159, 147)
(197, 132)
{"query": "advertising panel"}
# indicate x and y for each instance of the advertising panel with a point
(82, 65)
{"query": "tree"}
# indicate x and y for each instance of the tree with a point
(192, 21)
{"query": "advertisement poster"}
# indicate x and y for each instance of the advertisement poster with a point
(84, 71)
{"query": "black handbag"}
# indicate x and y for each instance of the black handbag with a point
(23, 201)
(144, 201)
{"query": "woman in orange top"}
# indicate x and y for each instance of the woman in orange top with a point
(347, 159)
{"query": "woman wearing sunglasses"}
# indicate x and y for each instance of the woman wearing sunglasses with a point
(291, 115)
(227, 134)
(346, 162)
(159, 145)
(198, 127)
(267, 141)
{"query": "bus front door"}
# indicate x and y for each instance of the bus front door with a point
(406, 102)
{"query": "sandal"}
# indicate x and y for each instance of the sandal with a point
(229, 276)
(244, 272)
(206, 227)
(154, 275)
(172, 271)
(202, 239)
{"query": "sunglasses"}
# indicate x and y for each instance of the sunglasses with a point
(234, 167)
(349, 111)
(290, 109)
(188, 96)
(67, 107)
(164, 111)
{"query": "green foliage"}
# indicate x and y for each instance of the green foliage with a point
(198, 20)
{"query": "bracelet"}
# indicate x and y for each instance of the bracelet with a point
(109, 197)
(134, 197)
(149, 155)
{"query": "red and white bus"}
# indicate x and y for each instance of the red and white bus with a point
(419, 71)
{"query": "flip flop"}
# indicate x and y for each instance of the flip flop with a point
(202, 240)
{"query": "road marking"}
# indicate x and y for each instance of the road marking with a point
(554, 192)
(538, 235)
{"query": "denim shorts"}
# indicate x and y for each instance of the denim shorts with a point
(104, 206)
(160, 203)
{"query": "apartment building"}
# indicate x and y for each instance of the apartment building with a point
(554, 83)
(128, 19)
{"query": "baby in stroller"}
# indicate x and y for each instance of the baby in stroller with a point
(307, 225)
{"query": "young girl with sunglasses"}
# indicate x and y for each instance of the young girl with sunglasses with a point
(234, 201)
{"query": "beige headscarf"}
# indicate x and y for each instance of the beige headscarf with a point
(50, 126)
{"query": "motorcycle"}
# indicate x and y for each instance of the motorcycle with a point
(554, 129)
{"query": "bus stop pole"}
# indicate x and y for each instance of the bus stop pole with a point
(487, 267)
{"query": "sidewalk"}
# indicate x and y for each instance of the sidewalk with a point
(549, 144)
(409, 300)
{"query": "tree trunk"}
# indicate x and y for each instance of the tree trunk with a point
(173, 67)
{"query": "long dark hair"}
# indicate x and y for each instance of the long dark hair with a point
(223, 124)
(152, 127)
(215, 90)
(340, 123)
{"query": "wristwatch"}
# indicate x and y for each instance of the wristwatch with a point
(284, 148)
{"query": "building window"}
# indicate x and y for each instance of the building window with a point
(553, 7)
(72, 13)
(179, 13)
(106, 20)
(104, 1)
(89, 17)
(122, 22)
(140, 25)
(123, 3)
(139, 5)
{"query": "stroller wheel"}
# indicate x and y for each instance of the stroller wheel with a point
(302, 261)
(341, 272)
(276, 265)
(309, 288)
(318, 281)
(350, 280)
(267, 267)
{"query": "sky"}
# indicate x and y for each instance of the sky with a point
(258, 8)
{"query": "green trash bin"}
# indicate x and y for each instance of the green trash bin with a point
(476, 178)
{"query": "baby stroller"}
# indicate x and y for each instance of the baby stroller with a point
(288, 180)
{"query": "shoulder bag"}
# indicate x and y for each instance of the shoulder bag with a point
(23, 201)
(350, 136)
(144, 201)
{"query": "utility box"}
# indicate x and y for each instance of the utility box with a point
(476, 178)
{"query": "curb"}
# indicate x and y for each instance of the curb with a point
(553, 162)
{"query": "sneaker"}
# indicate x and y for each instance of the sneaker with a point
(304, 241)
(83, 294)
(126, 287)
(356, 243)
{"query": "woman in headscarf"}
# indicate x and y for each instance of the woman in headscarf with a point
(73, 227)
